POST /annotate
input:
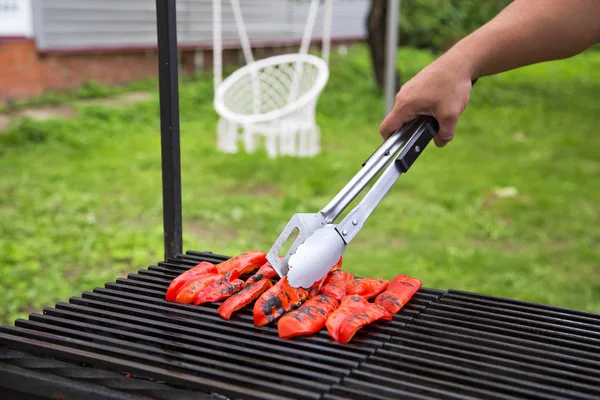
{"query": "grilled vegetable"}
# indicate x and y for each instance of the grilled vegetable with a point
(218, 291)
(244, 297)
(353, 313)
(276, 301)
(337, 265)
(187, 293)
(366, 287)
(335, 285)
(264, 272)
(244, 263)
(400, 290)
(315, 289)
(203, 268)
(309, 318)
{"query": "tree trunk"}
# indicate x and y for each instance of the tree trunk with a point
(376, 38)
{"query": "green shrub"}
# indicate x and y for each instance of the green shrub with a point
(437, 24)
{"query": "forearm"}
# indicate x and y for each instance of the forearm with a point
(528, 32)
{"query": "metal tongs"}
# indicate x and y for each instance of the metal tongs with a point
(319, 243)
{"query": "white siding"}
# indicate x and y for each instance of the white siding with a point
(76, 24)
(15, 18)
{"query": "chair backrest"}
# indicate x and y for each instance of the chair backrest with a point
(245, 40)
(265, 85)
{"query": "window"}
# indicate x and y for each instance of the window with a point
(8, 5)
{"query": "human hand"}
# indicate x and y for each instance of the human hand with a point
(442, 90)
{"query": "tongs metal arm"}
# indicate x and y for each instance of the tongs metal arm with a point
(409, 141)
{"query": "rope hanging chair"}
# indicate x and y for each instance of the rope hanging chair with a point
(273, 98)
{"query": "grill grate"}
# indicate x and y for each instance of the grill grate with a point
(474, 346)
(450, 345)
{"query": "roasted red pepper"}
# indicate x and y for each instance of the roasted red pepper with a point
(276, 301)
(203, 268)
(244, 297)
(337, 265)
(400, 290)
(219, 290)
(264, 272)
(335, 285)
(315, 289)
(353, 313)
(309, 318)
(366, 287)
(187, 293)
(244, 263)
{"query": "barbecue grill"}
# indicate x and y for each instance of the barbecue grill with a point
(124, 341)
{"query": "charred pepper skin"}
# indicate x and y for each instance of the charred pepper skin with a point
(218, 291)
(203, 268)
(276, 301)
(266, 271)
(309, 318)
(354, 313)
(399, 292)
(247, 295)
(245, 261)
(335, 285)
(366, 287)
(187, 293)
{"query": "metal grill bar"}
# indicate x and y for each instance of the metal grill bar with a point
(474, 346)
(450, 345)
(40, 376)
(129, 325)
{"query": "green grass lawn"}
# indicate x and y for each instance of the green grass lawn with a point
(80, 199)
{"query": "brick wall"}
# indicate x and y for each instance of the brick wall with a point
(68, 71)
(19, 69)
(25, 72)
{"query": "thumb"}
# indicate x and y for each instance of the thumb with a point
(394, 120)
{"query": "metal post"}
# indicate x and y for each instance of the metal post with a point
(166, 22)
(391, 50)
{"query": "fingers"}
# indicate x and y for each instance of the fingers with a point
(447, 121)
(395, 119)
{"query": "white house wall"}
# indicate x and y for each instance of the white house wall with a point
(16, 18)
(82, 24)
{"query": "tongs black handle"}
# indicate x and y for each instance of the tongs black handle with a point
(427, 128)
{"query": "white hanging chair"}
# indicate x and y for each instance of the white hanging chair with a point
(275, 97)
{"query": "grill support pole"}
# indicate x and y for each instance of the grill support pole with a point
(391, 51)
(169, 124)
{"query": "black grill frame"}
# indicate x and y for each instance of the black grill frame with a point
(124, 341)
(443, 344)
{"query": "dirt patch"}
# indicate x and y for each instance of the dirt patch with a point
(31, 310)
(204, 229)
(122, 100)
(266, 190)
(48, 112)
(261, 190)
(398, 243)
(504, 194)
(71, 273)
(4, 121)
(45, 113)
(502, 244)
(394, 243)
